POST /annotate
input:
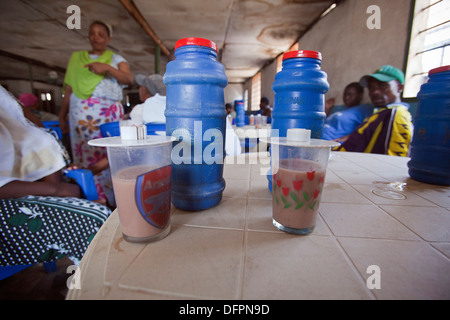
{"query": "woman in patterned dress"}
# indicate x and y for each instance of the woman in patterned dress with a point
(42, 217)
(93, 93)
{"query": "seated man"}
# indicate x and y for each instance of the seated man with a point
(341, 123)
(230, 111)
(264, 108)
(352, 96)
(389, 129)
(152, 93)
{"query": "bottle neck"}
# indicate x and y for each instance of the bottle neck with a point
(302, 62)
(186, 51)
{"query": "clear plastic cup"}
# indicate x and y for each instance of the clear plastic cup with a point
(258, 121)
(141, 175)
(298, 167)
(251, 120)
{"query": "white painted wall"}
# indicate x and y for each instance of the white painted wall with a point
(234, 91)
(351, 50)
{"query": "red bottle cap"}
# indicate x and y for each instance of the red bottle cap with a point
(302, 54)
(192, 41)
(440, 69)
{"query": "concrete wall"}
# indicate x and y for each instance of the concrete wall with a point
(349, 48)
(234, 91)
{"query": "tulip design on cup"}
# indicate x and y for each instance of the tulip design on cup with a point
(301, 194)
(299, 169)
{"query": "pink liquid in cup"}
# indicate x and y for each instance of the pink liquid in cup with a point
(296, 195)
(143, 201)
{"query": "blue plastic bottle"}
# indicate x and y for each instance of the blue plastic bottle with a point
(300, 89)
(240, 113)
(195, 114)
(430, 147)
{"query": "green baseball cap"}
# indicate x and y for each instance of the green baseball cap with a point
(385, 74)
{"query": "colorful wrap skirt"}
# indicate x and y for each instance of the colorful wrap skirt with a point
(85, 118)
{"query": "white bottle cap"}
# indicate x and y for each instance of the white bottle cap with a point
(301, 135)
(133, 132)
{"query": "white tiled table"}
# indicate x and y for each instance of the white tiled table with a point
(233, 251)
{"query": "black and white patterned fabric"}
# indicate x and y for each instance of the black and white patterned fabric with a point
(37, 229)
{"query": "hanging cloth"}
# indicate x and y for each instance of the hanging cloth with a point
(83, 81)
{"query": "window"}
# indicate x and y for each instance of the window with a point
(280, 62)
(280, 57)
(256, 91)
(47, 100)
(430, 43)
(246, 99)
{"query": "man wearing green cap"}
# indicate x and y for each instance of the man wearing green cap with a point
(389, 129)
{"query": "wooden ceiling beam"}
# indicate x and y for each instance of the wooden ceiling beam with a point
(31, 61)
(130, 6)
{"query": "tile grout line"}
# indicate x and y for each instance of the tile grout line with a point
(336, 238)
(354, 267)
(243, 255)
(376, 173)
(346, 256)
(379, 205)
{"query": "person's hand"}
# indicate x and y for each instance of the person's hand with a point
(342, 139)
(99, 166)
(73, 166)
(98, 67)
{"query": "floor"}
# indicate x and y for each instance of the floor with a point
(35, 283)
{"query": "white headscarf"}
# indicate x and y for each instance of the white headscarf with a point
(27, 152)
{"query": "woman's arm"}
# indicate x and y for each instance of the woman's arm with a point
(17, 189)
(99, 166)
(123, 74)
(65, 110)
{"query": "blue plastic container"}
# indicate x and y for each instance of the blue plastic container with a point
(300, 89)
(240, 113)
(196, 116)
(430, 148)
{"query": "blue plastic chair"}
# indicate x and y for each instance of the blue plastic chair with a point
(6, 272)
(53, 125)
(112, 129)
(152, 128)
(85, 179)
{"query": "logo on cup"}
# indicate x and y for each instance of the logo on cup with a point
(153, 196)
